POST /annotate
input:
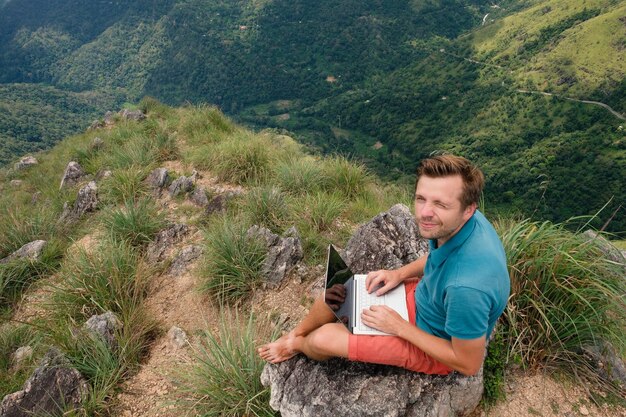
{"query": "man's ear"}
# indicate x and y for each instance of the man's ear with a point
(469, 211)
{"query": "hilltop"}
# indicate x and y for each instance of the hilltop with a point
(387, 83)
(154, 227)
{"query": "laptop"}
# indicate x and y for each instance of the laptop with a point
(356, 296)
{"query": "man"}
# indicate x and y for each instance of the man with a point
(455, 294)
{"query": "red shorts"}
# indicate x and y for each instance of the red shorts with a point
(393, 350)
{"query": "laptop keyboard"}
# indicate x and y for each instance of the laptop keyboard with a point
(366, 301)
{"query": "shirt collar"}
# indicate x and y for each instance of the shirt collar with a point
(438, 255)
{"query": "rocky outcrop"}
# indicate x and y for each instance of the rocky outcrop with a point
(164, 240)
(157, 179)
(180, 185)
(103, 326)
(25, 162)
(610, 252)
(183, 260)
(283, 253)
(199, 197)
(53, 388)
(305, 388)
(32, 251)
(72, 175)
(136, 115)
(302, 387)
(608, 362)
(388, 241)
(86, 201)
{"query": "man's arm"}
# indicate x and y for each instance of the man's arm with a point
(465, 356)
(392, 278)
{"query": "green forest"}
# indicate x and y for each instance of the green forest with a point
(386, 83)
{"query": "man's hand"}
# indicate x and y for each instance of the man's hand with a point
(335, 296)
(383, 318)
(383, 278)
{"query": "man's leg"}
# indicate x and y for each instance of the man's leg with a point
(316, 336)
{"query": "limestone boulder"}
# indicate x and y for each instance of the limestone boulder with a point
(157, 249)
(182, 262)
(31, 250)
(72, 175)
(25, 162)
(86, 201)
(104, 326)
(53, 388)
(283, 253)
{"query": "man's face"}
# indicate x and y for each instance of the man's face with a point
(438, 209)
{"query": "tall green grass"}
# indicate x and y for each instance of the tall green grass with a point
(135, 223)
(224, 379)
(566, 295)
(232, 264)
(13, 337)
(266, 206)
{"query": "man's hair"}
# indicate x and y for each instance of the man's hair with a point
(447, 165)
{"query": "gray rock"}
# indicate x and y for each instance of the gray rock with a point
(305, 388)
(157, 179)
(181, 184)
(611, 252)
(25, 162)
(217, 204)
(609, 363)
(302, 387)
(104, 327)
(72, 175)
(20, 357)
(54, 387)
(86, 201)
(97, 143)
(388, 241)
(136, 115)
(177, 337)
(31, 250)
(183, 260)
(102, 174)
(283, 253)
(164, 240)
(199, 197)
(16, 183)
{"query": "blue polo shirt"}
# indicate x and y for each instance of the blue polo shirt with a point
(466, 283)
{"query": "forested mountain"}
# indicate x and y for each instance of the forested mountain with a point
(386, 82)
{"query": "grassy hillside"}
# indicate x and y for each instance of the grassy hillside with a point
(566, 294)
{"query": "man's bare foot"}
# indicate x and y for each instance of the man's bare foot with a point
(280, 350)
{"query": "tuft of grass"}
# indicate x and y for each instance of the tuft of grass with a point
(243, 159)
(232, 263)
(344, 177)
(152, 106)
(124, 185)
(493, 370)
(224, 379)
(107, 278)
(21, 224)
(565, 295)
(300, 176)
(17, 275)
(11, 338)
(136, 223)
(319, 210)
(204, 124)
(266, 206)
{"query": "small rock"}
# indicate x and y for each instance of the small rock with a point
(158, 178)
(136, 115)
(16, 183)
(164, 240)
(72, 175)
(86, 201)
(177, 337)
(183, 260)
(199, 197)
(216, 205)
(25, 162)
(32, 251)
(583, 410)
(21, 356)
(104, 326)
(180, 185)
(97, 143)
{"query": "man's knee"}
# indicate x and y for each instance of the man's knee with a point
(329, 340)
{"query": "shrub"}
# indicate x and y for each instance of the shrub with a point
(135, 223)
(565, 295)
(232, 263)
(225, 378)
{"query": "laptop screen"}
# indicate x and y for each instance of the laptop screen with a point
(339, 287)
